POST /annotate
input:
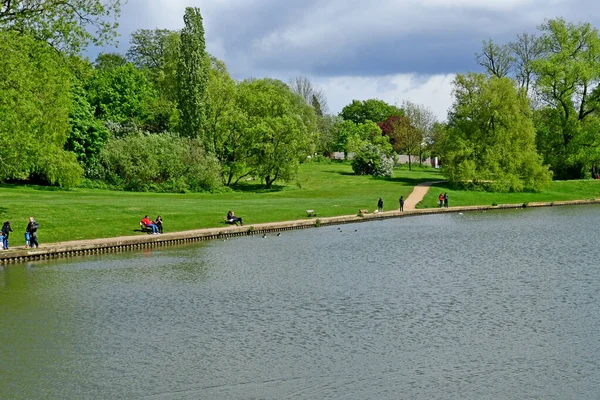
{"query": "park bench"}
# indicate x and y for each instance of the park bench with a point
(311, 213)
(145, 228)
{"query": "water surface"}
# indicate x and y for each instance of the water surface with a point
(496, 305)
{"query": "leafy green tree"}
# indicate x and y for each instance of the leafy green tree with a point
(278, 131)
(220, 101)
(87, 135)
(568, 74)
(121, 94)
(66, 24)
(106, 61)
(351, 136)
(491, 138)
(192, 74)
(369, 110)
(34, 110)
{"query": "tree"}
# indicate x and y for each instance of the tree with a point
(106, 61)
(351, 136)
(278, 128)
(568, 74)
(192, 75)
(34, 110)
(423, 120)
(87, 135)
(121, 95)
(222, 125)
(303, 87)
(66, 24)
(369, 110)
(490, 139)
(149, 47)
(495, 59)
(404, 137)
(524, 51)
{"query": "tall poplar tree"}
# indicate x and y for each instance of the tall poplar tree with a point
(192, 74)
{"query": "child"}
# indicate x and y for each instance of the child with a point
(26, 240)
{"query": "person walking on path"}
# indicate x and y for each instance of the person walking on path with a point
(380, 205)
(6, 229)
(401, 203)
(446, 200)
(441, 200)
(32, 228)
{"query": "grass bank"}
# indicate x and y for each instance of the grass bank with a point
(557, 191)
(329, 189)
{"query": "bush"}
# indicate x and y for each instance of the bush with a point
(371, 160)
(158, 162)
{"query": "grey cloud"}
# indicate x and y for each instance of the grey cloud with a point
(357, 38)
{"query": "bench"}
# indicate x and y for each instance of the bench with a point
(311, 213)
(145, 228)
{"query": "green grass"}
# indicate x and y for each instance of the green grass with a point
(329, 189)
(558, 191)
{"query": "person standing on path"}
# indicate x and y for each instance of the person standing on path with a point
(380, 205)
(401, 203)
(32, 228)
(6, 229)
(446, 200)
(440, 200)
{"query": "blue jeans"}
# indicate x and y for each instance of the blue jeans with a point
(154, 228)
(5, 241)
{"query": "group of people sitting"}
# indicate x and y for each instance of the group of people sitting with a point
(156, 226)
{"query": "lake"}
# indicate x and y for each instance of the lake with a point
(485, 305)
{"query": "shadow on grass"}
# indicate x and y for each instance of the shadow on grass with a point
(257, 188)
(413, 181)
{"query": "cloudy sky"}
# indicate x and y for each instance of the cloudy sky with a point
(393, 50)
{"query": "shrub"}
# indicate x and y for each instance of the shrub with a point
(158, 162)
(371, 160)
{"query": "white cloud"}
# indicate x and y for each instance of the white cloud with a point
(434, 91)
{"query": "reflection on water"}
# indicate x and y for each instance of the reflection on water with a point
(476, 306)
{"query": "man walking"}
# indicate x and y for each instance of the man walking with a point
(32, 228)
(446, 200)
(401, 203)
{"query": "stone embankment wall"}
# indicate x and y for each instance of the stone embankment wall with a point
(124, 243)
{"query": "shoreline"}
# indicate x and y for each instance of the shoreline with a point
(75, 248)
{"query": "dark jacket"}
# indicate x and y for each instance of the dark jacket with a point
(32, 228)
(6, 229)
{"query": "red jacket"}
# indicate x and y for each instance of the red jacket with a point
(146, 221)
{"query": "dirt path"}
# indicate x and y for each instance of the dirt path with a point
(417, 195)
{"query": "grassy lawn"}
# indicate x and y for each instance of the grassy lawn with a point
(558, 190)
(329, 189)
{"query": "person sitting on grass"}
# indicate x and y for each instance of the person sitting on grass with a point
(231, 218)
(149, 224)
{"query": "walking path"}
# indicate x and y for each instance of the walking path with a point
(418, 194)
